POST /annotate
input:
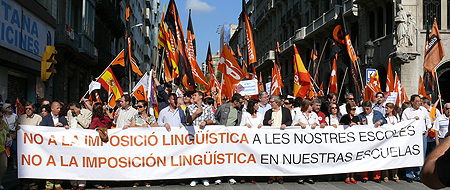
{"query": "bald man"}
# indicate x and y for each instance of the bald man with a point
(54, 119)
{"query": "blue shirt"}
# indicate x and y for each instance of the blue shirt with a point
(262, 110)
(166, 115)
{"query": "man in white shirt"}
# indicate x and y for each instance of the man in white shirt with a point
(419, 113)
(124, 114)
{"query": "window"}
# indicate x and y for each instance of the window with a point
(389, 15)
(372, 26)
(380, 23)
(431, 10)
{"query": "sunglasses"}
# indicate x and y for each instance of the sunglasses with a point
(28, 108)
(366, 109)
(353, 109)
(351, 99)
(333, 107)
(140, 106)
(287, 103)
(447, 108)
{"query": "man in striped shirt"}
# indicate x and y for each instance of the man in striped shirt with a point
(124, 114)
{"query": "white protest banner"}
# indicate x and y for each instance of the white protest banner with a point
(248, 87)
(153, 153)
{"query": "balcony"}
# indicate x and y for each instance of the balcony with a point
(268, 57)
(86, 46)
(146, 50)
(147, 34)
(147, 16)
(79, 42)
(321, 24)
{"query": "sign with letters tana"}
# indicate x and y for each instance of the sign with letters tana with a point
(153, 153)
(22, 31)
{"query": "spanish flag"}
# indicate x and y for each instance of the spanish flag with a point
(110, 83)
(302, 79)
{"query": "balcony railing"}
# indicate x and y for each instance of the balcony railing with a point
(79, 42)
(324, 19)
(270, 55)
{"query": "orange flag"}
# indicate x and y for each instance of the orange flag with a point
(434, 51)
(140, 93)
(249, 37)
(199, 77)
(275, 88)
(19, 107)
(302, 79)
(390, 78)
(133, 62)
(333, 78)
(311, 92)
(231, 72)
(405, 97)
(261, 84)
(422, 90)
(398, 89)
(119, 60)
(320, 93)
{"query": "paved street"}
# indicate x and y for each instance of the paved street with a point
(10, 181)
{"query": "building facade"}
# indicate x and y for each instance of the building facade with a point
(372, 26)
(26, 27)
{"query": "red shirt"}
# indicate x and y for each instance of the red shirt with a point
(96, 122)
(321, 116)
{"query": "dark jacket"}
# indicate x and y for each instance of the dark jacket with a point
(222, 112)
(285, 118)
(48, 121)
(163, 98)
(377, 116)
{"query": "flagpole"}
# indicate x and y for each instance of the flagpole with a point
(340, 90)
(439, 89)
(96, 79)
(323, 50)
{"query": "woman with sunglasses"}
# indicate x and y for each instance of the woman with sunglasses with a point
(333, 118)
(142, 119)
(287, 103)
(306, 118)
(350, 119)
(392, 118)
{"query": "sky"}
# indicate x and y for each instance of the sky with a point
(206, 16)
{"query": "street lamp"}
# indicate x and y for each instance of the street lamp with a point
(370, 48)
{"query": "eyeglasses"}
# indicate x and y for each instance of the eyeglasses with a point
(351, 99)
(28, 108)
(333, 107)
(287, 103)
(366, 109)
(447, 108)
(271, 102)
(140, 106)
(353, 109)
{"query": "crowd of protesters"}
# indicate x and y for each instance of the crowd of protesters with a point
(199, 109)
